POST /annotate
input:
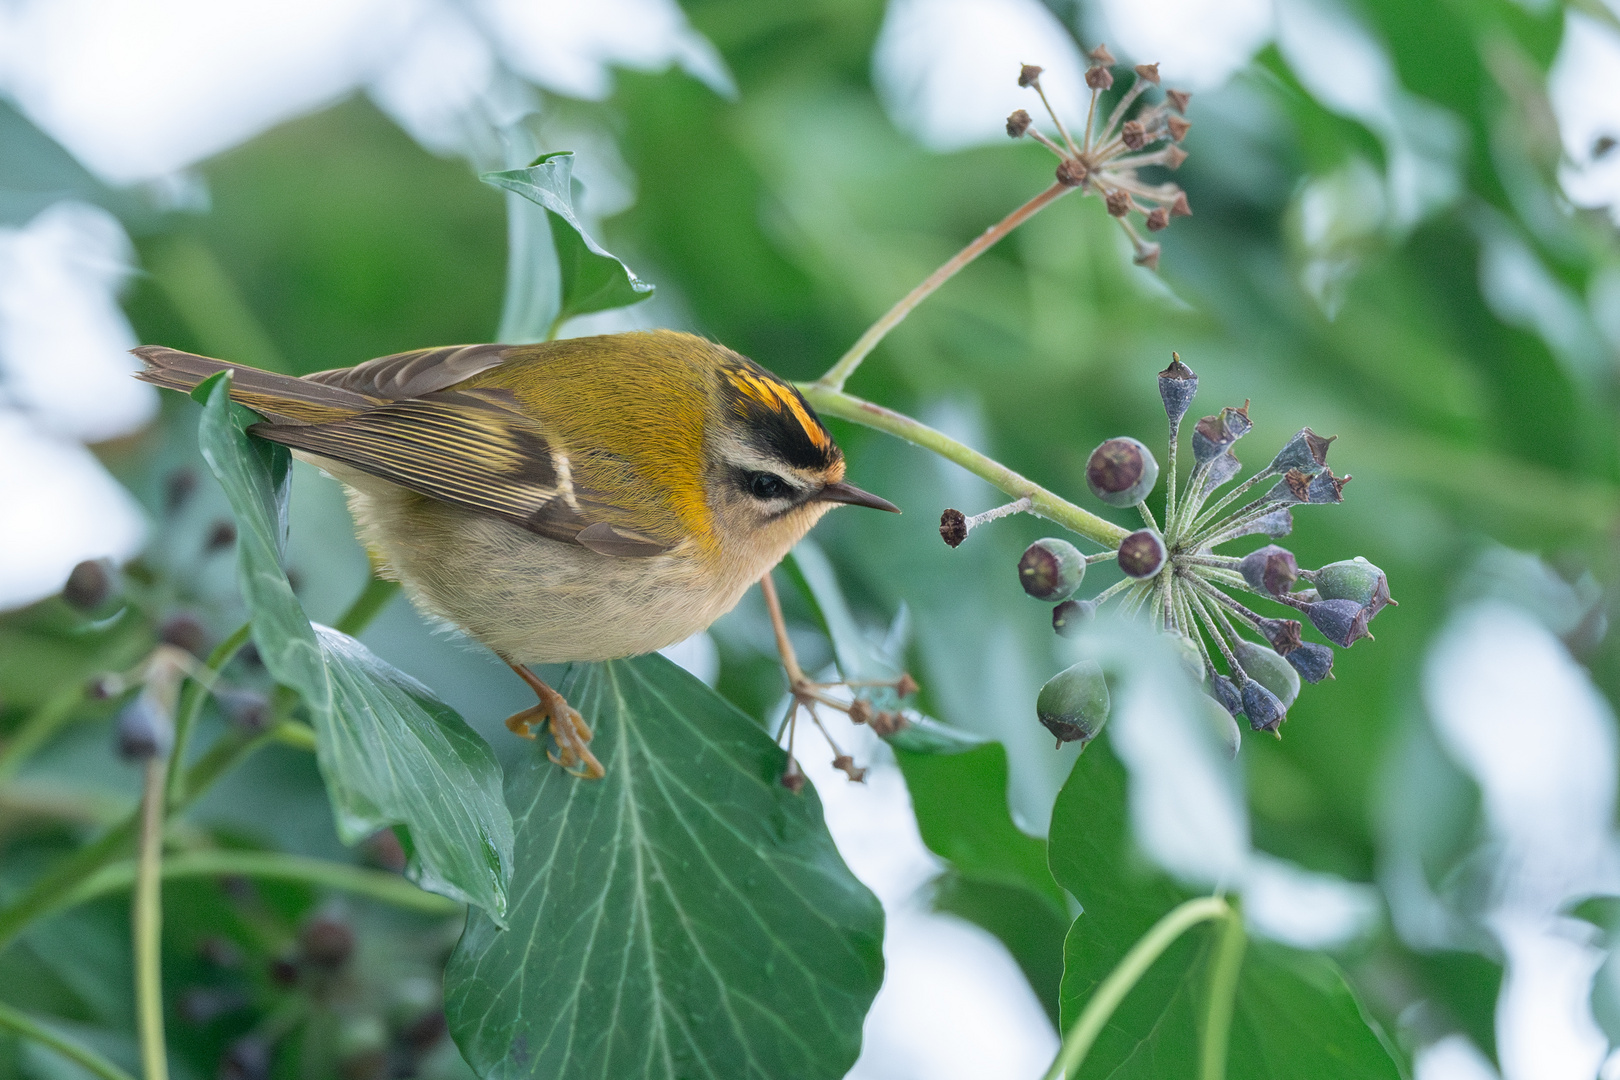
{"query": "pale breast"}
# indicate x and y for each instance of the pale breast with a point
(534, 600)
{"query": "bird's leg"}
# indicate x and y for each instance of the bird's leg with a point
(807, 694)
(568, 728)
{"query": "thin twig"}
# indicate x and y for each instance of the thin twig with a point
(274, 865)
(24, 1025)
(191, 703)
(840, 372)
(147, 915)
(37, 730)
(832, 402)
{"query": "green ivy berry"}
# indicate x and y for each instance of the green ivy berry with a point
(1269, 670)
(1074, 703)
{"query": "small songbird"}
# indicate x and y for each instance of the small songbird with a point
(584, 499)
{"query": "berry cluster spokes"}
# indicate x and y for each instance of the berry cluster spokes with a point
(1174, 576)
(1106, 157)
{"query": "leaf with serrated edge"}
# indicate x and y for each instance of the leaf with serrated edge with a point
(390, 752)
(592, 279)
(1295, 1015)
(684, 917)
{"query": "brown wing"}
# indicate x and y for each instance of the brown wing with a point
(416, 373)
(471, 448)
(399, 418)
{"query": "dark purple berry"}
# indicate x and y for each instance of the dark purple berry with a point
(1306, 451)
(326, 942)
(1343, 622)
(1264, 711)
(185, 630)
(1121, 472)
(89, 585)
(1069, 617)
(1051, 569)
(1142, 553)
(145, 729)
(1270, 569)
(1313, 662)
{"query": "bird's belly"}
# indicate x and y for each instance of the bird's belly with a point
(531, 599)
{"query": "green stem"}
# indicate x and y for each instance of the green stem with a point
(833, 402)
(37, 729)
(1223, 980)
(840, 372)
(1117, 587)
(372, 599)
(377, 884)
(28, 1028)
(1126, 975)
(297, 735)
(147, 915)
(191, 703)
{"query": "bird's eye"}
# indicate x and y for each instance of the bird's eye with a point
(767, 486)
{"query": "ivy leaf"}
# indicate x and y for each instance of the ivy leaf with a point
(1295, 1015)
(390, 752)
(684, 917)
(592, 278)
(961, 805)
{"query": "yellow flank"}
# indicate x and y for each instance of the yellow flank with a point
(777, 396)
(630, 416)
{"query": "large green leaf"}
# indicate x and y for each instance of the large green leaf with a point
(390, 752)
(1295, 1015)
(592, 279)
(961, 805)
(685, 917)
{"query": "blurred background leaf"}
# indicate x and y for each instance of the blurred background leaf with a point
(1408, 268)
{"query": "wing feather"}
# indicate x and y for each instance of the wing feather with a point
(416, 373)
(465, 447)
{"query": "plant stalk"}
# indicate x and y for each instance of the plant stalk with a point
(45, 894)
(37, 730)
(1077, 1044)
(24, 1025)
(191, 703)
(840, 372)
(376, 884)
(1223, 981)
(833, 402)
(148, 919)
(372, 599)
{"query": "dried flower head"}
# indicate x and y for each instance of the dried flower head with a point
(1109, 153)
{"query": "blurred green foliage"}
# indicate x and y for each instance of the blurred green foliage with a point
(782, 223)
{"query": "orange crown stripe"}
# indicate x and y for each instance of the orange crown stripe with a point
(777, 397)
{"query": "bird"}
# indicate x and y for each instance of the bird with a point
(580, 499)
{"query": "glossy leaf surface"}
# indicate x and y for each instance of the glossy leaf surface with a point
(1295, 1016)
(591, 278)
(684, 917)
(391, 753)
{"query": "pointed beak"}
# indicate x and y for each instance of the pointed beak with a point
(849, 493)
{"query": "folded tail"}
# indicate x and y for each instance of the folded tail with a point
(283, 399)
